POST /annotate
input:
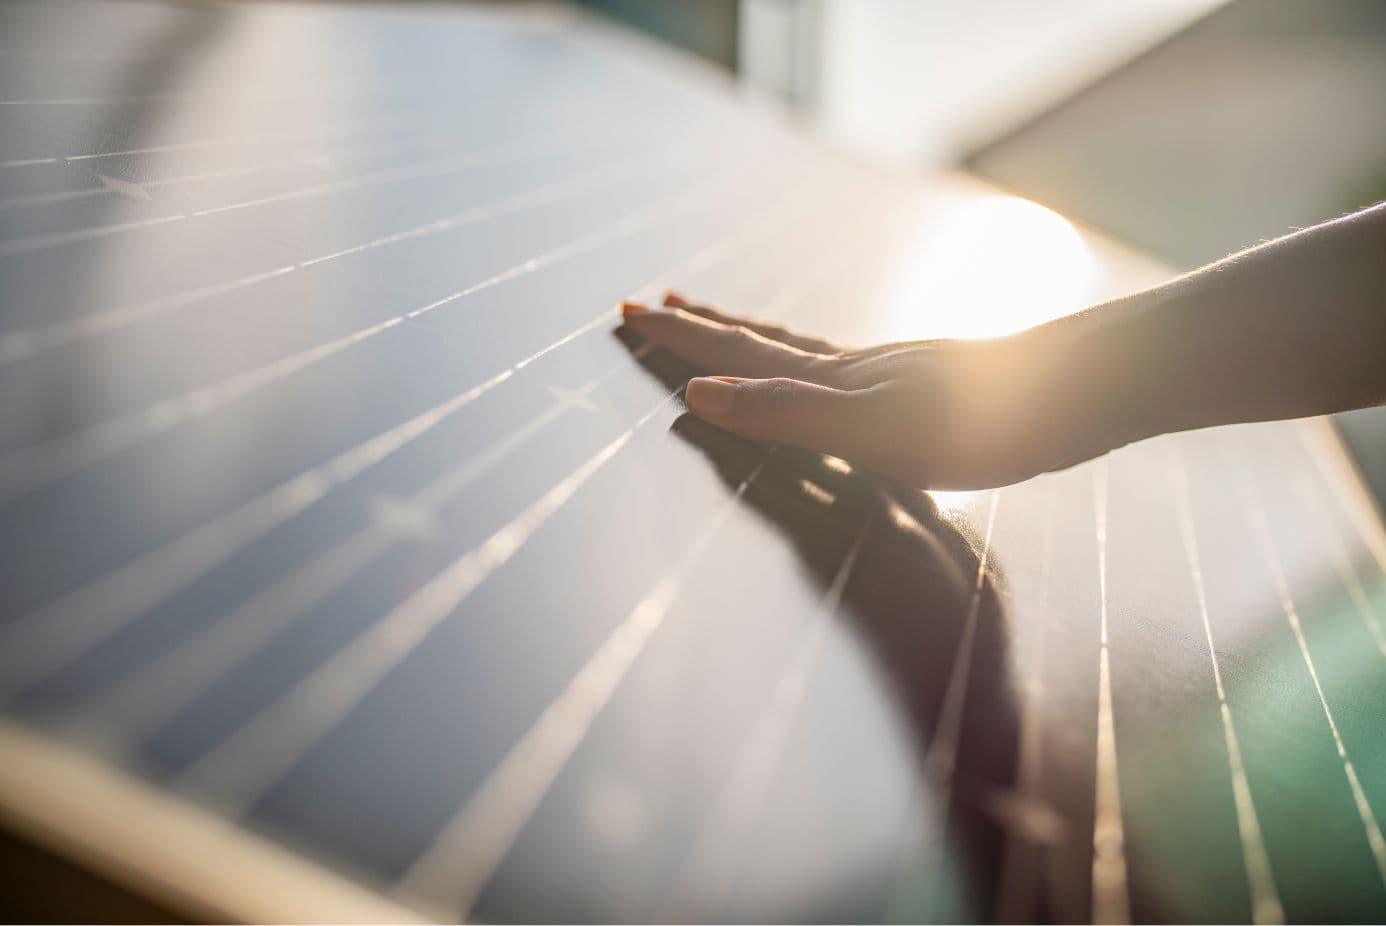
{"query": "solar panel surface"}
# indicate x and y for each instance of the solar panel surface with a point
(354, 569)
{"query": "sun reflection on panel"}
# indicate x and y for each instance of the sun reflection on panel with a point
(952, 503)
(983, 265)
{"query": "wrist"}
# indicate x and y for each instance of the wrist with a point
(1120, 375)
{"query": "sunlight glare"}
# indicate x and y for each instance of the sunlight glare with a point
(988, 264)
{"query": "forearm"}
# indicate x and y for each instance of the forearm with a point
(1292, 328)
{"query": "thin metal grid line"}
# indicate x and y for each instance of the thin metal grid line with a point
(1358, 507)
(116, 100)
(1110, 898)
(1020, 879)
(941, 754)
(121, 99)
(940, 759)
(1338, 556)
(1280, 582)
(1265, 899)
(28, 162)
(137, 188)
(260, 95)
(249, 139)
(12, 247)
(432, 167)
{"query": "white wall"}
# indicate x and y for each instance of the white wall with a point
(920, 81)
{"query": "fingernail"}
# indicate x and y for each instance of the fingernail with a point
(709, 395)
(674, 299)
(633, 308)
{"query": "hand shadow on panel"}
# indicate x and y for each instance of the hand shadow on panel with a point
(907, 598)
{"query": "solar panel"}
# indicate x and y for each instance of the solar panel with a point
(355, 570)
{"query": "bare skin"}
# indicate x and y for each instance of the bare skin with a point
(1292, 328)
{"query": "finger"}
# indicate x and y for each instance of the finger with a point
(769, 330)
(725, 349)
(892, 348)
(844, 423)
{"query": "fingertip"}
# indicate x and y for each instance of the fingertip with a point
(711, 396)
(675, 300)
(630, 308)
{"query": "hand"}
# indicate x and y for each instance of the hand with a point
(939, 414)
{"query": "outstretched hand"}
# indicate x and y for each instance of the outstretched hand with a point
(1288, 329)
(942, 414)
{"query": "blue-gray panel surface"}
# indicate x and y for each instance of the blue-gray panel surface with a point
(331, 506)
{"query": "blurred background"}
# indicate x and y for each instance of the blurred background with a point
(1187, 128)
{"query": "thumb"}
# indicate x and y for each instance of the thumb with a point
(784, 411)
